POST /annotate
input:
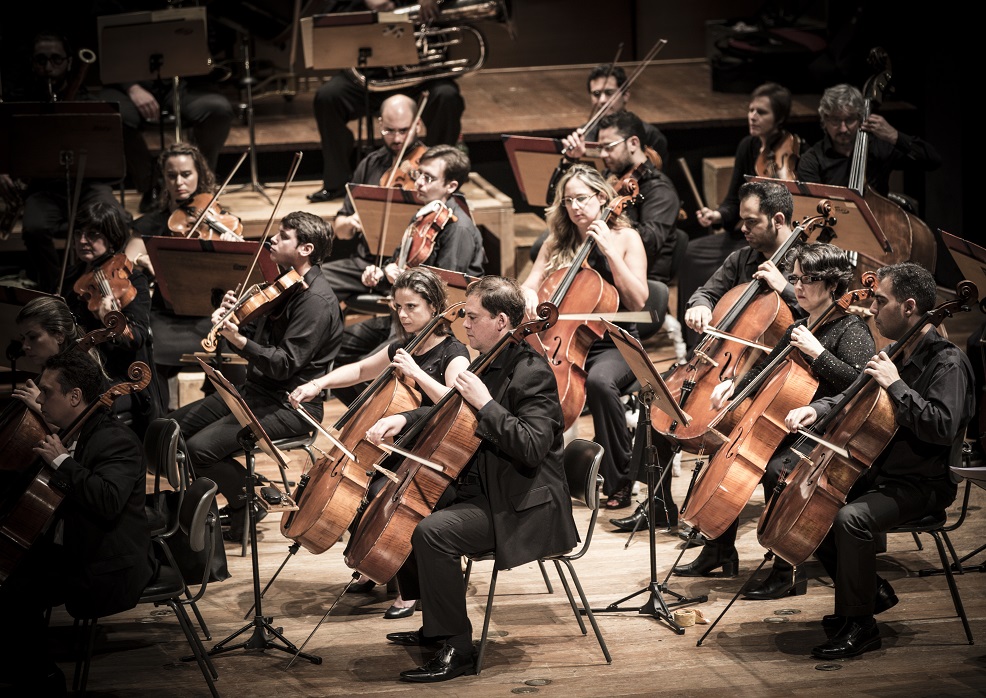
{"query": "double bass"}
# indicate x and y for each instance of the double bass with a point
(330, 493)
(850, 439)
(778, 159)
(741, 317)
(724, 487)
(446, 435)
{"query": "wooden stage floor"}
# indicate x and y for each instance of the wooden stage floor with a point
(759, 648)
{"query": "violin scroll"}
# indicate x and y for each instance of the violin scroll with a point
(547, 318)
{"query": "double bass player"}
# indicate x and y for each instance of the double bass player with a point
(931, 393)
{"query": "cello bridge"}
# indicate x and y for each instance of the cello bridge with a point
(706, 358)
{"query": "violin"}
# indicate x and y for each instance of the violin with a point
(403, 173)
(259, 299)
(741, 317)
(109, 279)
(419, 238)
(850, 438)
(185, 220)
(578, 290)
(779, 158)
(31, 514)
(446, 435)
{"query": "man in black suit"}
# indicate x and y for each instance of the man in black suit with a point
(511, 498)
(96, 558)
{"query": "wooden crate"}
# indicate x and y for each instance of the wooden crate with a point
(494, 210)
(716, 173)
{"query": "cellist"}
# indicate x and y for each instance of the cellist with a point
(619, 257)
(96, 558)
(933, 401)
(835, 354)
(512, 497)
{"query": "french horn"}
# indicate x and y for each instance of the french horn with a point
(434, 41)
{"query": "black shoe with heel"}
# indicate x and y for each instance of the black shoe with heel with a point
(711, 558)
(782, 581)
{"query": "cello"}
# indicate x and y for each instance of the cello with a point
(330, 493)
(856, 431)
(446, 435)
(724, 487)
(26, 520)
(578, 290)
(779, 158)
(741, 316)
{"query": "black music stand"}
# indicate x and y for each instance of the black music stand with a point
(372, 202)
(653, 391)
(362, 39)
(252, 435)
(534, 160)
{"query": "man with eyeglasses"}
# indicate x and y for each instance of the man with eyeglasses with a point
(342, 99)
(830, 160)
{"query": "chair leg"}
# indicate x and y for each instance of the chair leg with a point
(467, 573)
(571, 599)
(86, 639)
(486, 622)
(284, 479)
(588, 611)
(544, 573)
(917, 541)
(956, 599)
(201, 658)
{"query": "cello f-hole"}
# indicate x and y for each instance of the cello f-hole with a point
(725, 373)
(553, 359)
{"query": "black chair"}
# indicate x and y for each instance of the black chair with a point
(582, 460)
(197, 521)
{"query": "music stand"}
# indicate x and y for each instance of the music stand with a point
(251, 436)
(362, 39)
(137, 46)
(193, 273)
(534, 160)
(653, 391)
(970, 259)
(371, 202)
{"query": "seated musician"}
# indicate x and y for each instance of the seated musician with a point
(345, 273)
(101, 234)
(46, 205)
(830, 160)
(520, 454)
(458, 247)
(288, 348)
(96, 558)
(835, 354)
(419, 295)
(620, 259)
(930, 387)
(342, 98)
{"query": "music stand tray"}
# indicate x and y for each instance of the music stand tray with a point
(371, 203)
(136, 46)
(970, 259)
(191, 271)
(42, 139)
(368, 39)
(533, 161)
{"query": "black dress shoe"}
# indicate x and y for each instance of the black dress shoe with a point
(637, 521)
(711, 558)
(782, 582)
(857, 636)
(445, 665)
(415, 638)
(237, 522)
(685, 533)
(323, 195)
(885, 599)
(398, 612)
(361, 587)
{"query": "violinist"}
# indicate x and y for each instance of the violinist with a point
(419, 295)
(342, 99)
(930, 389)
(835, 354)
(830, 160)
(96, 558)
(766, 116)
(620, 259)
(520, 422)
(101, 235)
(285, 349)
(396, 119)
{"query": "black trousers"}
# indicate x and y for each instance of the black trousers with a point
(608, 376)
(345, 277)
(341, 100)
(210, 431)
(703, 257)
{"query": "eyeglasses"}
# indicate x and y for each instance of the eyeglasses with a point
(42, 59)
(599, 93)
(394, 131)
(425, 176)
(581, 200)
(806, 279)
(610, 146)
(849, 121)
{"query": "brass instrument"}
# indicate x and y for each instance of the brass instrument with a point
(433, 42)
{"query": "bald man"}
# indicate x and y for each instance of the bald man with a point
(345, 275)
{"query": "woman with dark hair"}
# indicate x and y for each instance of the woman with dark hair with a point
(835, 353)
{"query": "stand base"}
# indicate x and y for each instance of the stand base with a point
(655, 607)
(264, 637)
